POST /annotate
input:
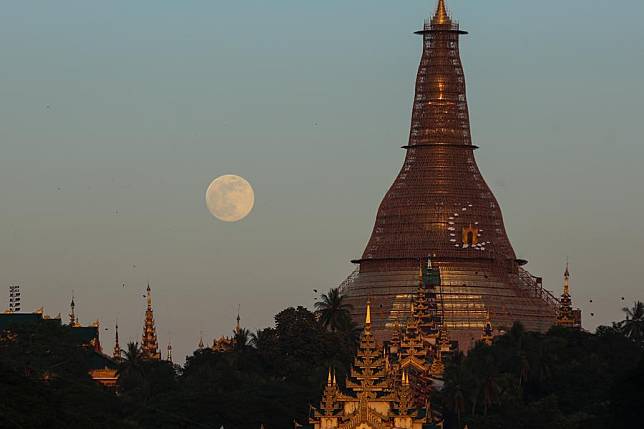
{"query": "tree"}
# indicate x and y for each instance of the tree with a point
(333, 311)
(633, 326)
(130, 372)
(241, 339)
(44, 380)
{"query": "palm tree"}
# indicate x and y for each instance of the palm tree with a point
(242, 339)
(130, 371)
(132, 358)
(332, 311)
(633, 326)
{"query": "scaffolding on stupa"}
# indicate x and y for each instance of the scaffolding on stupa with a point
(440, 207)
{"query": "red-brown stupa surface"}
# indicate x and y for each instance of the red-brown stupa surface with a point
(439, 207)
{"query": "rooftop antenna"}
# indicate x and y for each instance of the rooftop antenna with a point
(14, 299)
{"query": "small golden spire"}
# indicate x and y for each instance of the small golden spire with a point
(367, 320)
(73, 321)
(149, 343)
(329, 381)
(117, 346)
(238, 327)
(334, 380)
(441, 17)
(567, 280)
(149, 297)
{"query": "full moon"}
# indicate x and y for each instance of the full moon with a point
(230, 198)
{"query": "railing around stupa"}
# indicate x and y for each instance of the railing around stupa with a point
(529, 284)
(451, 26)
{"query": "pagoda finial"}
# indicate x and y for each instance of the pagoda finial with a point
(117, 347)
(238, 326)
(149, 297)
(441, 17)
(566, 315)
(330, 378)
(72, 315)
(367, 320)
(170, 350)
(149, 344)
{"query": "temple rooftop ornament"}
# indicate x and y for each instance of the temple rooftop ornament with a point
(116, 354)
(149, 343)
(566, 316)
(73, 319)
(376, 395)
(441, 17)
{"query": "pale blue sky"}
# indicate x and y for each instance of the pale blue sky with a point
(132, 108)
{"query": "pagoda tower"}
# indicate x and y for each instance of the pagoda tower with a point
(368, 376)
(566, 316)
(73, 319)
(440, 207)
(149, 343)
(371, 399)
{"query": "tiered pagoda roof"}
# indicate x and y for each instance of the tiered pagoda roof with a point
(371, 399)
(149, 342)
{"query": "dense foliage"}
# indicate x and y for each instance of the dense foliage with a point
(562, 379)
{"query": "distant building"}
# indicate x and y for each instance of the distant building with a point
(103, 369)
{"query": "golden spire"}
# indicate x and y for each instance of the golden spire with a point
(567, 280)
(441, 17)
(169, 350)
(149, 297)
(201, 345)
(238, 327)
(149, 344)
(367, 320)
(73, 320)
(329, 381)
(566, 315)
(368, 375)
(117, 347)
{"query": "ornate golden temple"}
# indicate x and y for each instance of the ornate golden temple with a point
(390, 385)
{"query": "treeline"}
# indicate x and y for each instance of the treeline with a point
(562, 379)
(270, 378)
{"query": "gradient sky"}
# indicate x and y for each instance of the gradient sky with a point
(117, 115)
